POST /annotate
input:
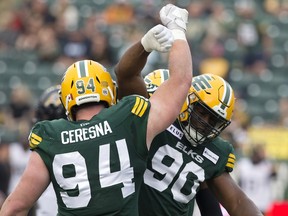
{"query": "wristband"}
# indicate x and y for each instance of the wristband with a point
(178, 34)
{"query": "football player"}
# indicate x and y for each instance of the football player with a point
(96, 160)
(201, 120)
(189, 152)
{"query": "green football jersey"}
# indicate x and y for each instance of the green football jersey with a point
(175, 170)
(96, 166)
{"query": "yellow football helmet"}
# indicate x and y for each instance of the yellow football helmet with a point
(208, 108)
(85, 82)
(154, 79)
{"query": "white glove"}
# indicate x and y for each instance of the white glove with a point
(174, 17)
(158, 38)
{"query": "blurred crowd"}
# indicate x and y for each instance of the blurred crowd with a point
(224, 35)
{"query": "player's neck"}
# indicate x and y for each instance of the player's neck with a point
(88, 112)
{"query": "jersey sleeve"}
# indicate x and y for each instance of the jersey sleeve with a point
(35, 136)
(228, 151)
(225, 152)
(138, 108)
(38, 141)
(230, 162)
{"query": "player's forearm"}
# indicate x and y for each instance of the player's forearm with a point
(181, 48)
(132, 62)
(244, 206)
(207, 203)
(13, 209)
(128, 72)
(175, 89)
(180, 67)
(247, 211)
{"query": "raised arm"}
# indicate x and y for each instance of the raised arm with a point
(168, 99)
(128, 70)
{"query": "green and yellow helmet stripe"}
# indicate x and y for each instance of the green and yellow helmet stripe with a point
(164, 75)
(82, 68)
(227, 96)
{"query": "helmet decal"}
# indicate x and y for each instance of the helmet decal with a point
(201, 82)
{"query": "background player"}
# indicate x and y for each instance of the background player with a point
(49, 108)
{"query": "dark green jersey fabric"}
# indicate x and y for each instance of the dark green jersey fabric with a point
(175, 170)
(96, 166)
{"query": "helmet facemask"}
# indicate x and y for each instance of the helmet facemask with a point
(202, 124)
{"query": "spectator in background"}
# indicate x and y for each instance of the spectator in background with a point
(283, 114)
(255, 63)
(66, 14)
(196, 26)
(28, 37)
(76, 45)
(271, 6)
(251, 37)
(219, 22)
(100, 49)
(48, 47)
(147, 12)
(34, 16)
(119, 12)
(255, 175)
(247, 28)
(19, 112)
(214, 60)
(40, 9)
